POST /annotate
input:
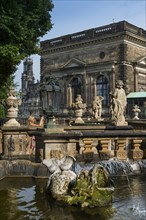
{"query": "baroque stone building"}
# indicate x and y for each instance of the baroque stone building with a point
(89, 63)
(30, 91)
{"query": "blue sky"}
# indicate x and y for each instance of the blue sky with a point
(70, 16)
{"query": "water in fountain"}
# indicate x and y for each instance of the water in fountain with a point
(116, 167)
(113, 167)
(142, 165)
(26, 198)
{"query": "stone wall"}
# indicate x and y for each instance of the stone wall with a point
(22, 168)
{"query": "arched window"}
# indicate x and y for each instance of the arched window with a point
(103, 89)
(76, 87)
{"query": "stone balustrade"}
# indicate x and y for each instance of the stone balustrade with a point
(93, 143)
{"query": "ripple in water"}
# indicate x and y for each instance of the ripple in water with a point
(27, 203)
(26, 199)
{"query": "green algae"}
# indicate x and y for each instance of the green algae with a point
(92, 189)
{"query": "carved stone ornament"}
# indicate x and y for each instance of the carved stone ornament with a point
(12, 103)
(79, 107)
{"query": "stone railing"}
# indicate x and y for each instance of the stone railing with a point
(91, 143)
(93, 33)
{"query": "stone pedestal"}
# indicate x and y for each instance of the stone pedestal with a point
(16, 143)
(136, 152)
(104, 154)
(121, 123)
(71, 147)
(11, 122)
(121, 152)
(78, 114)
(59, 148)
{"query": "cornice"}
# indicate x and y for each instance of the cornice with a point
(78, 45)
(138, 40)
(106, 39)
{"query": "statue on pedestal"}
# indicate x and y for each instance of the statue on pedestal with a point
(97, 107)
(118, 104)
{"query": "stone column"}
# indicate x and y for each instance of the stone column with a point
(104, 153)
(89, 150)
(85, 89)
(136, 152)
(135, 80)
(120, 151)
(113, 78)
(94, 89)
(69, 96)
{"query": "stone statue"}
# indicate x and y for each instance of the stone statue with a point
(118, 104)
(97, 107)
(61, 176)
(32, 121)
(41, 123)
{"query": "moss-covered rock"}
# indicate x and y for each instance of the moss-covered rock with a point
(92, 188)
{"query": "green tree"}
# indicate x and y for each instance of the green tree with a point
(22, 23)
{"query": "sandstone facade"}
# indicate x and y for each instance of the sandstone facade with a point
(89, 63)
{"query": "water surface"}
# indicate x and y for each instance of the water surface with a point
(26, 198)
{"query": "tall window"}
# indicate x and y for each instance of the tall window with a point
(103, 89)
(76, 87)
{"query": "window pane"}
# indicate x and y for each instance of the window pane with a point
(76, 87)
(102, 89)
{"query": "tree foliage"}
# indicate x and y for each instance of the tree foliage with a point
(22, 23)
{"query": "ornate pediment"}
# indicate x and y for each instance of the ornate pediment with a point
(73, 63)
(142, 61)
